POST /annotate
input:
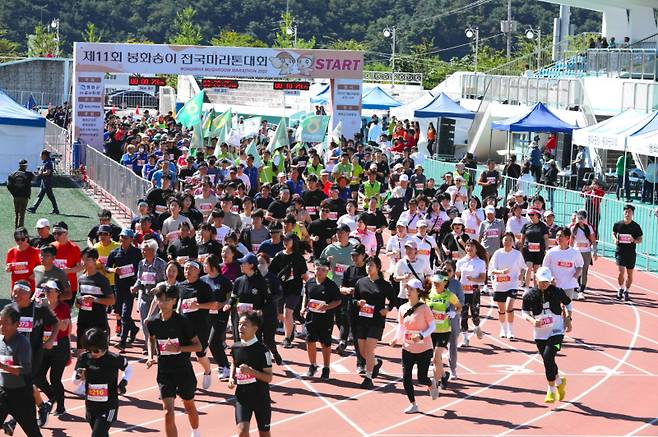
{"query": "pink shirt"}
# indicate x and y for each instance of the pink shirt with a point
(414, 324)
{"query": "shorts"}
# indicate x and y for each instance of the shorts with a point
(100, 420)
(181, 383)
(368, 330)
(502, 296)
(626, 260)
(263, 414)
(290, 301)
(319, 330)
(440, 339)
(536, 258)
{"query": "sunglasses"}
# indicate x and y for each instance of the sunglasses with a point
(326, 210)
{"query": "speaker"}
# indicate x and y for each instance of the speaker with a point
(447, 136)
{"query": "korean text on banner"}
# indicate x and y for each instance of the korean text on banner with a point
(88, 113)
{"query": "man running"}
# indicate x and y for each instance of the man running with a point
(626, 235)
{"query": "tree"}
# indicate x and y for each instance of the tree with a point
(187, 32)
(285, 36)
(42, 44)
(7, 47)
(348, 44)
(230, 38)
(90, 34)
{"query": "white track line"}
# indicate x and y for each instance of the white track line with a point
(646, 425)
(646, 372)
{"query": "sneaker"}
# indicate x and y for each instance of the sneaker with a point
(444, 380)
(620, 294)
(59, 412)
(55, 211)
(121, 348)
(434, 391)
(133, 334)
(510, 331)
(465, 341)
(340, 349)
(31, 210)
(277, 359)
(581, 296)
(562, 388)
(207, 380)
(9, 426)
(627, 296)
(503, 332)
(453, 374)
(377, 368)
(550, 397)
(325, 373)
(42, 413)
(224, 374)
(287, 344)
(361, 369)
(478, 333)
(280, 330)
(411, 409)
(310, 373)
(302, 334)
(367, 384)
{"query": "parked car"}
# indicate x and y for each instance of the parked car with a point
(130, 99)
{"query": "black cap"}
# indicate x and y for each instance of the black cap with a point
(275, 227)
(322, 262)
(359, 249)
(60, 225)
(22, 162)
(343, 228)
(289, 236)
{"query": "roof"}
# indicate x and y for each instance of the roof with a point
(537, 119)
(11, 113)
(377, 98)
(443, 106)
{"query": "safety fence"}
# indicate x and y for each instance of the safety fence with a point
(61, 152)
(603, 212)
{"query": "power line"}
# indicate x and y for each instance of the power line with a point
(455, 11)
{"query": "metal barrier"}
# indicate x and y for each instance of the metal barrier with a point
(622, 63)
(399, 77)
(563, 202)
(114, 182)
(61, 152)
(42, 99)
(639, 95)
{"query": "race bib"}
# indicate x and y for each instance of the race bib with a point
(254, 248)
(565, 264)
(160, 209)
(468, 288)
(439, 316)
(625, 238)
(546, 321)
(47, 335)
(182, 259)
(244, 307)
(492, 233)
(491, 180)
(25, 324)
(102, 260)
(85, 305)
(470, 231)
(173, 235)
(455, 256)
(126, 271)
(582, 244)
(367, 311)
(315, 306)
(60, 263)
(311, 209)
(203, 257)
(162, 343)
(97, 392)
(186, 305)
(235, 209)
(7, 360)
(534, 247)
(333, 215)
(243, 378)
(409, 335)
(420, 186)
(340, 268)
(423, 252)
(141, 162)
(20, 267)
(205, 208)
(503, 278)
(148, 278)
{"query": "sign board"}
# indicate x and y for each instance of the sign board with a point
(301, 86)
(147, 81)
(292, 92)
(219, 83)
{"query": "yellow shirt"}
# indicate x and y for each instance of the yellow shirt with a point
(103, 253)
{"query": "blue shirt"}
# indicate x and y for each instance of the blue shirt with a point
(270, 248)
(295, 187)
(535, 157)
(157, 178)
(252, 174)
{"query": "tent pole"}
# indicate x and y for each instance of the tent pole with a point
(490, 139)
(627, 194)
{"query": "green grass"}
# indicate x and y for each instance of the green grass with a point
(77, 210)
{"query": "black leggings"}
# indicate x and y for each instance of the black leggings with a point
(217, 339)
(409, 360)
(54, 360)
(101, 421)
(472, 302)
(548, 349)
(19, 402)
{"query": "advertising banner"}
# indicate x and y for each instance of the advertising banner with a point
(88, 109)
(346, 105)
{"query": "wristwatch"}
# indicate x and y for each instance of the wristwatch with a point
(421, 336)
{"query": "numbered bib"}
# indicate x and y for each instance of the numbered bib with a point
(244, 307)
(173, 235)
(19, 268)
(97, 392)
(367, 311)
(439, 316)
(160, 209)
(243, 378)
(7, 360)
(503, 278)
(25, 324)
(315, 306)
(409, 335)
(163, 343)
(340, 268)
(534, 247)
(492, 233)
(186, 305)
(147, 278)
(565, 264)
(46, 337)
(85, 305)
(625, 238)
(60, 263)
(126, 271)
(333, 215)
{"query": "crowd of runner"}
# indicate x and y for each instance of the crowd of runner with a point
(235, 262)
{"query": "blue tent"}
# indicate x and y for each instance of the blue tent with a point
(377, 98)
(11, 113)
(538, 119)
(443, 106)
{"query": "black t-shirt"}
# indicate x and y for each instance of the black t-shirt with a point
(337, 208)
(95, 285)
(157, 200)
(312, 201)
(374, 293)
(250, 290)
(93, 234)
(194, 215)
(534, 299)
(101, 376)
(289, 269)
(278, 209)
(262, 202)
(250, 391)
(323, 293)
(183, 247)
(325, 229)
(352, 275)
(376, 219)
(126, 262)
(492, 176)
(177, 329)
(534, 233)
(40, 242)
(624, 232)
(212, 247)
(33, 318)
(221, 288)
(200, 292)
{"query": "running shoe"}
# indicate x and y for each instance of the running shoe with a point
(434, 391)
(207, 380)
(550, 397)
(478, 333)
(620, 294)
(367, 384)
(453, 374)
(562, 388)
(444, 380)
(224, 374)
(59, 412)
(340, 349)
(133, 335)
(287, 344)
(510, 331)
(325, 373)
(310, 373)
(411, 409)
(277, 359)
(581, 296)
(627, 296)
(377, 368)
(503, 332)
(361, 369)
(302, 334)
(9, 426)
(465, 341)
(42, 413)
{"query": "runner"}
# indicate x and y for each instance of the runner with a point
(22, 259)
(321, 296)
(410, 267)
(99, 369)
(444, 305)
(565, 264)
(456, 288)
(471, 270)
(427, 247)
(533, 241)
(175, 339)
(506, 267)
(626, 234)
(454, 243)
(251, 374)
(415, 327)
(583, 238)
(543, 307)
(273, 300)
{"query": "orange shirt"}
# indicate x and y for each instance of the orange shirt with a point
(68, 255)
(22, 264)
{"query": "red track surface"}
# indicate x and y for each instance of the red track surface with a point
(610, 359)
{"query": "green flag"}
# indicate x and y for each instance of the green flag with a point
(223, 121)
(313, 128)
(196, 142)
(253, 151)
(280, 138)
(190, 113)
(208, 122)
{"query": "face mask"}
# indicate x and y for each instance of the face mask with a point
(262, 268)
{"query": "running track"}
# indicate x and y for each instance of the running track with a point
(610, 359)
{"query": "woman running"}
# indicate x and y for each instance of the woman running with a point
(471, 271)
(415, 327)
(583, 238)
(444, 305)
(251, 374)
(455, 286)
(371, 294)
(534, 241)
(506, 267)
(543, 307)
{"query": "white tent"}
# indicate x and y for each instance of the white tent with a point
(22, 134)
(611, 134)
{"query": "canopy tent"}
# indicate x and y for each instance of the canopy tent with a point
(377, 98)
(22, 133)
(443, 106)
(538, 119)
(645, 143)
(612, 134)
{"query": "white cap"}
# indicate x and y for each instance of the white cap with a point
(403, 222)
(458, 178)
(519, 193)
(398, 166)
(51, 285)
(42, 223)
(544, 274)
(489, 209)
(415, 283)
(404, 177)
(457, 221)
(549, 213)
(281, 175)
(421, 223)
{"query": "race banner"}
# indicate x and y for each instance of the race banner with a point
(346, 105)
(88, 109)
(313, 128)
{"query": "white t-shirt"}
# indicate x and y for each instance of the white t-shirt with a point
(514, 224)
(421, 267)
(563, 265)
(512, 260)
(472, 220)
(412, 219)
(222, 232)
(395, 244)
(246, 221)
(580, 241)
(468, 266)
(463, 191)
(425, 246)
(349, 220)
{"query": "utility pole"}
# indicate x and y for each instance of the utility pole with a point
(509, 29)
